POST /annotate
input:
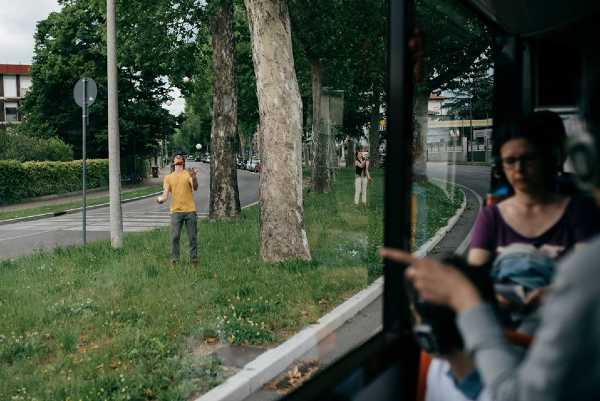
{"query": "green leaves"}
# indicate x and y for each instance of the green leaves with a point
(31, 179)
(71, 44)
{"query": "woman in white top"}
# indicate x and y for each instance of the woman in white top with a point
(361, 166)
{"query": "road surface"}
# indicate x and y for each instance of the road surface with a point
(24, 238)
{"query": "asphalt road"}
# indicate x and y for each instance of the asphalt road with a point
(26, 237)
(475, 177)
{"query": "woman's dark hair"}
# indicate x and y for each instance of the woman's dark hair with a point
(545, 132)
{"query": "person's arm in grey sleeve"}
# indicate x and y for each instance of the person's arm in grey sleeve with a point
(495, 358)
(547, 373)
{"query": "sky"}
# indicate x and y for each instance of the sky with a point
(18, 19)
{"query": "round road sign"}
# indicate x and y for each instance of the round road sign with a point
(91, 91)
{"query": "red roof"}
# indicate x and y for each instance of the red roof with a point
(15, 69)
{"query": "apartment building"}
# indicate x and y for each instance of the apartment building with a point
(15, 80)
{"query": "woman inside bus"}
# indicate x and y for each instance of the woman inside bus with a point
(563, 362)
(524, 234)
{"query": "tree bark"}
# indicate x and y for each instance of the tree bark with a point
(282, 233)
(321, 177)
(350, 152)
(224, 196)
(421, 127)
(374, 135)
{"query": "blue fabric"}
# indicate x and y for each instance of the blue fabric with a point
(529, 269)
(471, 386)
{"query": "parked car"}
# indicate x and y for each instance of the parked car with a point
(251, 164)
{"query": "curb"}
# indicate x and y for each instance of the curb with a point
(441, 233)
(462, 248)
(272, 362)
(71, 211)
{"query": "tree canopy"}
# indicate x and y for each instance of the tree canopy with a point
(71, 44)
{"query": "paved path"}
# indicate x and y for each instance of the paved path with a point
(24, 238)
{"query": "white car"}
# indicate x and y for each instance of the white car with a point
(251, 164)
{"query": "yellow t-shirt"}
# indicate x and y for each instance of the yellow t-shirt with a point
(181, 190)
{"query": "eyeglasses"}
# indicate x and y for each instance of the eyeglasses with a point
(511, 161)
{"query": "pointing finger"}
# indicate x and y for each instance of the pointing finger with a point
(397, 255)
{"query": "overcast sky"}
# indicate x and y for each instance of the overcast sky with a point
(17, 25)
(18, 19)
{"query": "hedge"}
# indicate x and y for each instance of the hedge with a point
(19, 181)
(23, 148)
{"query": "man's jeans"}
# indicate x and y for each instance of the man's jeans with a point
(177, 221)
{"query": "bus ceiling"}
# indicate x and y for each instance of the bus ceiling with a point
(527, 18)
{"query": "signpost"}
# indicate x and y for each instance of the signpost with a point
(84, 93)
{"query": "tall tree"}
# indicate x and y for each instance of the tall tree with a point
(455, 45)
(224, 196)
(343, 43)
(282, 231)
(246, 81)
(72, 43)
(314, 25)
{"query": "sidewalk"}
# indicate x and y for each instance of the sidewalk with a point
(75, 196)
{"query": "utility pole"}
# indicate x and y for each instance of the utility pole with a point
(114, 151)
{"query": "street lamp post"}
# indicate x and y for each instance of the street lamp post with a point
(114, 156)
(470, 143)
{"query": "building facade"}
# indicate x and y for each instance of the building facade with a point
(15, 81)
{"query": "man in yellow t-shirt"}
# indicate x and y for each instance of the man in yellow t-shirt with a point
(181, 183)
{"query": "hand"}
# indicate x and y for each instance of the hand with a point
(369, 178)
(160, 200)
(436, 282)
(536, 297)
(192, 172)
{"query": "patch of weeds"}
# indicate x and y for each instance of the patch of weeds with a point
(15, 347)
(198, 375)
(204, 333)
(298, 265)
(67, 341)
(353, 251)
(8, 265)
(151, 271)
(62, 308)
(238, 327)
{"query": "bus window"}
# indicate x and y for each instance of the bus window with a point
(453, 120)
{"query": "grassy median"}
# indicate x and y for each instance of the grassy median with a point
(90, 201)
(100, 324)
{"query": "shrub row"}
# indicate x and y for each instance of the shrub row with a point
(19, 181)
(15, 146)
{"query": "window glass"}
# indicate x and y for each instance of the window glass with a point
(452, 125)
(10, 86)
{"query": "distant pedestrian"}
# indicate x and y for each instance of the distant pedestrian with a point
(362, 177)
(181, 183)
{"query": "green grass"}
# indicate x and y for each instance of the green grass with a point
(91, 201)
(104, 324)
